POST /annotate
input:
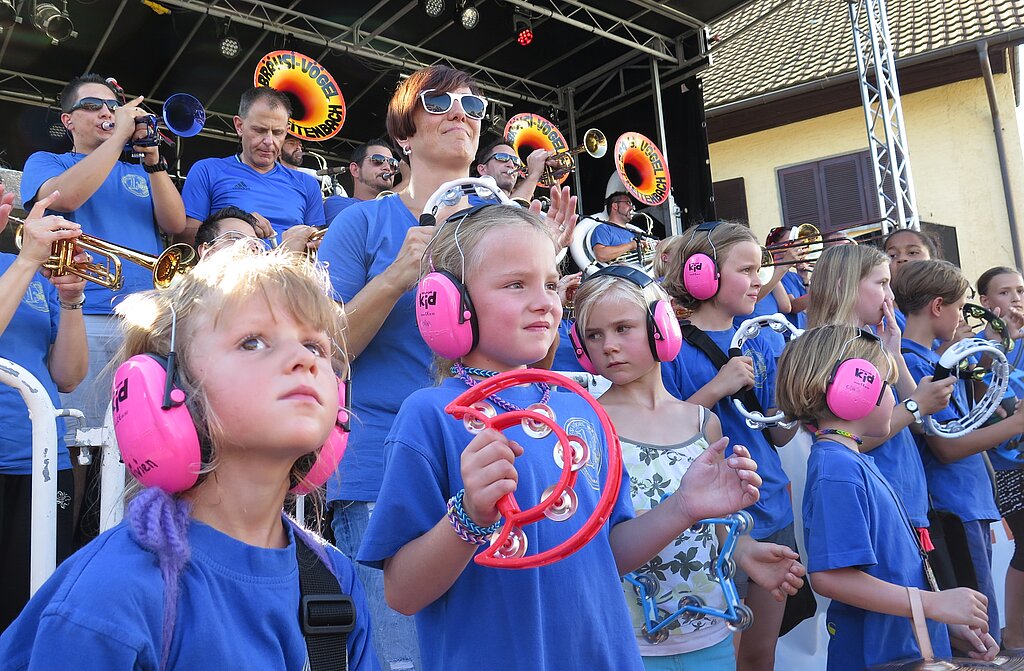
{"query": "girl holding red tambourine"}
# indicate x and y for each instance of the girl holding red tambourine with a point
(489, 305)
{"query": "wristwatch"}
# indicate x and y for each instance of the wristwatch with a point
(914, 409)
(160, 166)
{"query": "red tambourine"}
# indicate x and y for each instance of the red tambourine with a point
(508, 546)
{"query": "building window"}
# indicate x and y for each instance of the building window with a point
(832, 193)
(731, 201)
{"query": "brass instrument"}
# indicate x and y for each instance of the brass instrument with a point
(174, 261)
(526, 133)
(642, 168)
(595, 144)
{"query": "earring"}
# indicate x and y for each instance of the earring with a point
(406, 150)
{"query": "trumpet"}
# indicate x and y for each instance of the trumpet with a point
(182, 114)
(528, 132)
(595, 144)
(173, 262)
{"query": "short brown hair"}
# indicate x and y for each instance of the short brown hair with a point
(918, 283)
(403, 104)
(806, 365)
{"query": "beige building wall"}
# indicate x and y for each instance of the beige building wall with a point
(952, 153)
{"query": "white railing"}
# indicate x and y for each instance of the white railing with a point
(43, 415)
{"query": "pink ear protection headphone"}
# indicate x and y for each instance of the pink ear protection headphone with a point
(157, 435)
(855, 386)
(700, 271)
(663, 333)
(444, 311)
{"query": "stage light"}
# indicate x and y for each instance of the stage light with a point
(54, 23)
(467, 16)
(523, 27)
(8, 14)
(230, 47)
(433, 8)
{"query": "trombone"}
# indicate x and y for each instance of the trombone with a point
(173, 262)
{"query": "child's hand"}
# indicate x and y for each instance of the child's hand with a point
(889, 329)
(957, 606)
(774, 567)
(736, 374)
(977, 644)
(715, 486)
(962, 332)
(932, 396)
(488, 472)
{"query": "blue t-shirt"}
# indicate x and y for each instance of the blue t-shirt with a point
(565, 355)
(610, 235)
(285, 197)
(1014, 389)
(26, 341)
(690, 371)
(853, 519)
(899, 460)
(794, 285)
(237, 605)
(360, 245)
(120, 211)
(333, 205)
(766, 306)
(962, 487)
(566, 615)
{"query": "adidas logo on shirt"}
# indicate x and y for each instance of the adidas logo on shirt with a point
(242, 186)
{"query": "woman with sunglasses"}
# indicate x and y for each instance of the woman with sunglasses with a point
(373, 251)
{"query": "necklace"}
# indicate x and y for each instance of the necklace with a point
(820, 433)
(464, 372)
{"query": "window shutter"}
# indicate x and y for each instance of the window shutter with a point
(801, 199)
(845, 197)
(731, 201)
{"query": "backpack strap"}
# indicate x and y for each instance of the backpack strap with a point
(702, 341)
(326, 615)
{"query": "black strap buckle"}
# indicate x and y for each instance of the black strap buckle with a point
(327, 614)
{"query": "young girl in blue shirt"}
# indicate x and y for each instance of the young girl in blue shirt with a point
(862, 549)
(566, 615)
(661, 438)
(1001, 289)
(207, 577)
(851, 287)
(730, 256)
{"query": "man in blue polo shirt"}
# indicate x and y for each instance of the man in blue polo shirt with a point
(253, 180)
(611, 240)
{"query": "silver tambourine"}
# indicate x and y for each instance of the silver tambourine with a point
(747, 331)
(948, 363)
(450, 193)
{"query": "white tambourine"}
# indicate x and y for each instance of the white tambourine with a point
(450, 193)
(747, 331)
(983, 409)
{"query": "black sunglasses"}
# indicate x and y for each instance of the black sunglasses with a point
(441, 102)
(381, 159)
(505, 157)
(91, 104)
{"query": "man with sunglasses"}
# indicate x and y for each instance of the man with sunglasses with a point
(113, 199)
(373, 168)
(499, 160)
(253, 180)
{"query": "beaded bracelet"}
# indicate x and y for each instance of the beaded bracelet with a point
(464, 526)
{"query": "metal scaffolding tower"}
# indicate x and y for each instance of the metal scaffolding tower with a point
(883, 114)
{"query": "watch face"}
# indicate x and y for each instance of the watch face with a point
(912, 405)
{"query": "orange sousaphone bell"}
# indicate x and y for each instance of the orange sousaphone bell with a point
(318, 108)
(642, 168)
